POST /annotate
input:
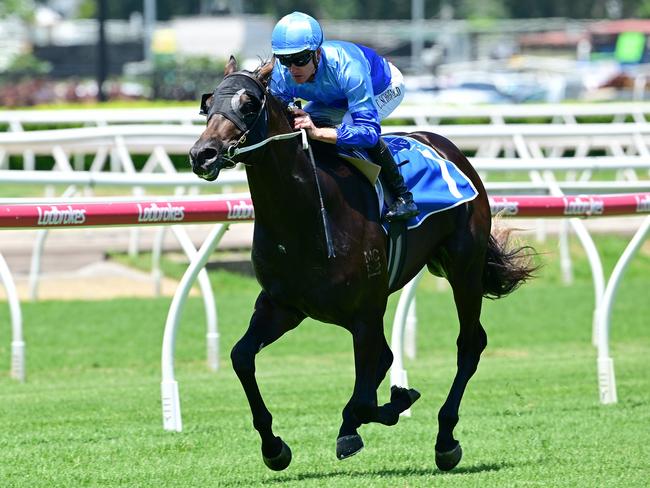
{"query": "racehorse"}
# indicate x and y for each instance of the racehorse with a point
(332, 265)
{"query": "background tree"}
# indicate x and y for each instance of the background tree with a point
(643, 8)
(23, 9)
(368, 9)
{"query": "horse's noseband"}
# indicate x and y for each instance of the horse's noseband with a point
(226, 101)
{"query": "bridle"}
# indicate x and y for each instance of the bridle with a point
(225, 100)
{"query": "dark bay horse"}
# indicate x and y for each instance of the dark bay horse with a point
(344, 283)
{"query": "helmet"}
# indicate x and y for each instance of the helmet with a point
(296, 32)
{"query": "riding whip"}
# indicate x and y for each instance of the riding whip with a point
(326, 223)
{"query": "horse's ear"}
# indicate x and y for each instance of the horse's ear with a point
(231, 66)
(264, 72)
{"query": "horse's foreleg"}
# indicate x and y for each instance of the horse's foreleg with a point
(472, 340)
(269, 322)
(350, 422)
(372, 358)
(387, 414)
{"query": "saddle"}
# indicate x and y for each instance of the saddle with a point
(436, 183)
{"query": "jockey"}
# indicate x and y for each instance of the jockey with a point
(350, 89)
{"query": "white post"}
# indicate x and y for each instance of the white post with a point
(149, 28)
(134, 238)
(171, 407)
(209, 302)
(606, 379)
(156, 252)
(29, 158)
(417, 40)
(588, 245)
(37, 252)
(17, 342)
(398, 374)
(35, 266)
(597, 273)
(565, 253)
(410, 331)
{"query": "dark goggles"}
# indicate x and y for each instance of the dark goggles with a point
(297, 59)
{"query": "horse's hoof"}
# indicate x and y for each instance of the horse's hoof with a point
(281, 461)
(414, 395)
(404, 396)
(446, 461)
(348, 445)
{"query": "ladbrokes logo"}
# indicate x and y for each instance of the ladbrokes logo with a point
(65, 216)
(643, 204)
(240, 211)
(504, 207)
(583, 206)
(165, 213)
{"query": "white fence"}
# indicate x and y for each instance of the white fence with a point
(539, 150)
(521, 140)
(562, 113)
(569, 113)
(541, 140)
(120, 212)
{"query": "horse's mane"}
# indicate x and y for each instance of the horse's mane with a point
(263, 70)
(264, 63)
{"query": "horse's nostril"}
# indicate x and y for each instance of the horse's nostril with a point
(209, 154)
(203, 154)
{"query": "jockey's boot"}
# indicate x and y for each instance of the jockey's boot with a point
(403, 208)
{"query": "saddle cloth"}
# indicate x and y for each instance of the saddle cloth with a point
(436, 183)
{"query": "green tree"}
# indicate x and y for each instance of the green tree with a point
(23, 9)
(27, 65)
(165, 9)
(643, 8)
(483, 9)
(364, 9)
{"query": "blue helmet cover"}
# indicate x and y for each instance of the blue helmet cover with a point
(296, 32)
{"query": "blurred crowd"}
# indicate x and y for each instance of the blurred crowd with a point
(41, 90)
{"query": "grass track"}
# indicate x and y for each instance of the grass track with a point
(89, 413)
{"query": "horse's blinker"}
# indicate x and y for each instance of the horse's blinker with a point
(226, 100)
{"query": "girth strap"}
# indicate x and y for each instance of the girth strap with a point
(396, 250)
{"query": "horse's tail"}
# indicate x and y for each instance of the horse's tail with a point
(506, 266)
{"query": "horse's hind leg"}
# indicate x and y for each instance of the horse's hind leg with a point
(472, 340)
(269, 322)
(349, 442)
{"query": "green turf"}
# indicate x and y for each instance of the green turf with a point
(89, 413)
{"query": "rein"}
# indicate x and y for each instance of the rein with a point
(233, 151)
(237, 148)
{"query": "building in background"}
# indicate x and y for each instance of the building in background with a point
(514, 60)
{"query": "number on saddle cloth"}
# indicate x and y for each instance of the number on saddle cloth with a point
(436, 183)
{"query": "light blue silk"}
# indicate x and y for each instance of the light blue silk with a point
(348, 77)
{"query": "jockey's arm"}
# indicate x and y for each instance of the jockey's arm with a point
(324, 134)
(362, 132)
(302, 120)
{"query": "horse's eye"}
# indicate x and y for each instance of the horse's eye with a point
(249, 108)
